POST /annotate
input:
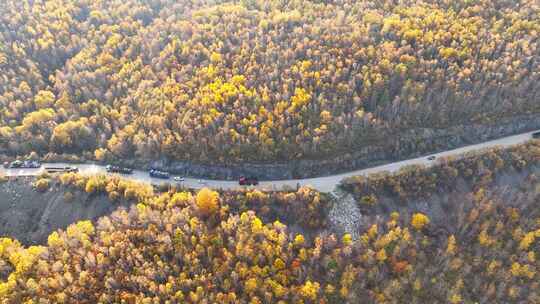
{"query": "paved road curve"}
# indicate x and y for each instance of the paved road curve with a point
(323, 184)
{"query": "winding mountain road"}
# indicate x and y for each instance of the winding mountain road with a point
(323, 184)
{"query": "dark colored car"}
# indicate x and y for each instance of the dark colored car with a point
(536, 134)
(159, 174)
(71, 169)
(16, 164)
(118, 169)
(432, 157)
(248, 181)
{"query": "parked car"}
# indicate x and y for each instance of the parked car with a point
(432, 157)
(118, 169)
(536, 134)
(16, 164)
(159, 174)
(248, 181)
(178, 179)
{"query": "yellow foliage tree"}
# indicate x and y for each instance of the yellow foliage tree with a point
(54, 240)
(279, 264)
(42, 185)
(251, 285)
(526, 241)
(100, 154)
(299, 240)
(419, 221)
(347, 239)
(381, 255)
(310, 290)
(44, 99)
(207, 201)
(451, 247)
(180, 199)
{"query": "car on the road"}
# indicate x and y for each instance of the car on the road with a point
(159, 174)
(16, 164)
(536, 134)
(248, 181)
(179, 179)
(432, 157)
(118, 169)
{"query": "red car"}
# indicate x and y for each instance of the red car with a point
(248, 181)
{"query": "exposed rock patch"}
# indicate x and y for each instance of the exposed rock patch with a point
(344, 216)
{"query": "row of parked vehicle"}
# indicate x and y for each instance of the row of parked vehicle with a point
(34, 164)
(19, 164)
(152, 172)
(243, 181)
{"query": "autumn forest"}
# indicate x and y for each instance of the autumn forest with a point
(267, 83)
(256, 80)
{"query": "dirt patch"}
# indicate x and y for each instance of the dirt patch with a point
(30, 216)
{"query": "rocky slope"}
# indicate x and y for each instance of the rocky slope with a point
(30, 216)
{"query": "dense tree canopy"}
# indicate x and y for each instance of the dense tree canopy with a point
(256, 80)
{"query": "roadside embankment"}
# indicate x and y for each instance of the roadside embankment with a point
(390, 147)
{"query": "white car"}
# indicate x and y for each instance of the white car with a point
(179, 179)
